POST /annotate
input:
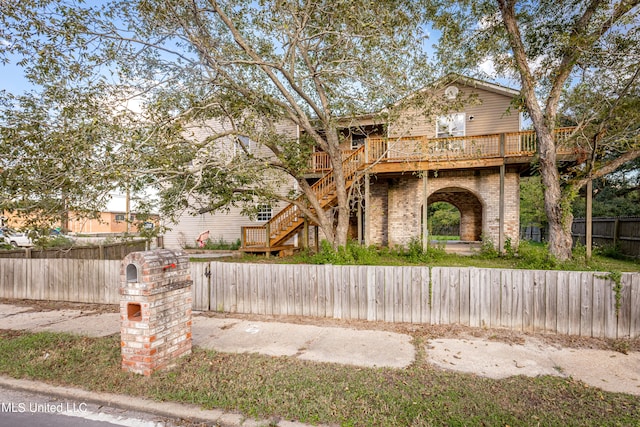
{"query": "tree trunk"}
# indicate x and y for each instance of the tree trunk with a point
(342, 224)
(558, 213)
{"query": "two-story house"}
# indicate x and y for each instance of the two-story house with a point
(470, 154)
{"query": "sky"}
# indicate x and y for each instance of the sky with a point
(12, 76)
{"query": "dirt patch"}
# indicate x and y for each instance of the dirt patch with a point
(422, 331)
(40, 305)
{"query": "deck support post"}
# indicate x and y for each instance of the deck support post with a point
(367, 213)
(359, 218)
(305, 233)
(267, 238)
(425, 208)
(501, 236)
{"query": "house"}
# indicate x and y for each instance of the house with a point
(224, 225)
(470, 154)
(109, 222)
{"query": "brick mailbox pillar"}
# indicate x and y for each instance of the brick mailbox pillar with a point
(155, 309)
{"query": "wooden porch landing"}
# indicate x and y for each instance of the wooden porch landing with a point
(281, 251)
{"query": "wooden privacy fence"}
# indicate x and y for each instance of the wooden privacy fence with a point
(574, 303)
(74, 280)
(623, 234)
(112, 251)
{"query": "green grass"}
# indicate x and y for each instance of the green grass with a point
(529, 255)
(288, 388)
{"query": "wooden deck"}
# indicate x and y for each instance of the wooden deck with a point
(406, 154)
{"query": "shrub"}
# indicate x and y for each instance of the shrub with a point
(221, 244)
(55, 242)
(610, 251)
(509, 250)
(415, 253)
(351, 254)
(488, 249)
(535, 257)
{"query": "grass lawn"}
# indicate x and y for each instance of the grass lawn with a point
(287, 388)
(529, 255)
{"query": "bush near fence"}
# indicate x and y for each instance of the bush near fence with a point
(565, 302)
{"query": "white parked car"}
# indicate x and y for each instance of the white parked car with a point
(16, 239)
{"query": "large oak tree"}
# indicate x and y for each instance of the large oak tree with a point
(554, 48)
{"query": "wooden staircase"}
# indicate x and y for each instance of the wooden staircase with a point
(272, 236)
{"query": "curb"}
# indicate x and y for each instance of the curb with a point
(166, 409)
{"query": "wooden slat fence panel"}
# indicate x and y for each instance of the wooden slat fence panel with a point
(624, 315)
(550, 301)
(622, 233)
(575, 303)
(634, 304)
(200, 274)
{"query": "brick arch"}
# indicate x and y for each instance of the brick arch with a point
(470, 208)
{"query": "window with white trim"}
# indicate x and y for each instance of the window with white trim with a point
(450, 125)
(265, 212)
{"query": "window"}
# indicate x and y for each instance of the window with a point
(243, 146)
(119, 217)
(357, 141)
(265, 212)
(450, 125)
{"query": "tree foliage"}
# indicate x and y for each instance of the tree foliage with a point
(61, 152)
(532, 202)
(237, 70)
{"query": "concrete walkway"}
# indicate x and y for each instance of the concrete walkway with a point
(608, 370)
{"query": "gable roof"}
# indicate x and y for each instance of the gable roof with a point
(441, 83)
(476, 83)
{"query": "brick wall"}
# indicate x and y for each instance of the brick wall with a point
(378, 211)
(155, 310)
(396, 204)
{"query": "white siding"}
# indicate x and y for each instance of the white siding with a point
(223, 225)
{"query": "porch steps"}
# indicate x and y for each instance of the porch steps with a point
(284, 225)
(459, 247)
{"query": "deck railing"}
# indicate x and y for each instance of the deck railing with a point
(421, 148)
(321, 162)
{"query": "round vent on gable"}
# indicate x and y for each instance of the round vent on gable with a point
(451, 92)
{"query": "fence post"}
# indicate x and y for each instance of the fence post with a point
(616, 232)
(243, 239)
